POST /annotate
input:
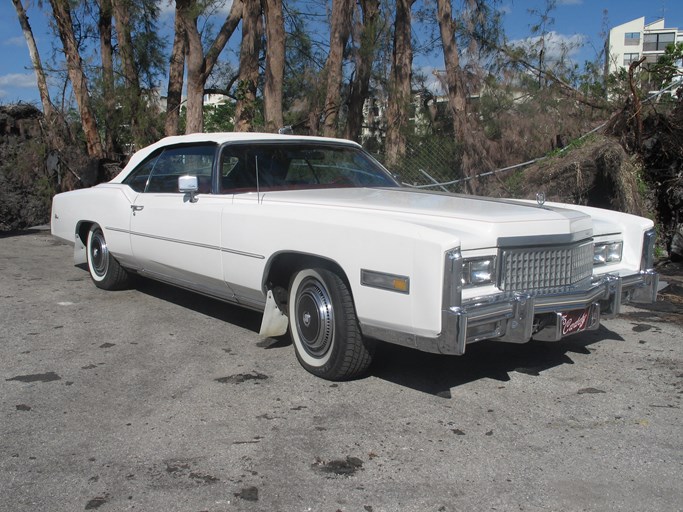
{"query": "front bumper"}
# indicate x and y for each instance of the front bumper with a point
(521, 317)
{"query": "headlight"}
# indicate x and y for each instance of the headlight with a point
(608, 252)
(478, 271)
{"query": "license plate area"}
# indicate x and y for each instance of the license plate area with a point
(574, 321)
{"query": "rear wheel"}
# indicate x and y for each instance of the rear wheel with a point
(324, 326)
(105, 271)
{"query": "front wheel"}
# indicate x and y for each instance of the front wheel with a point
(105, 271)
(324, 326)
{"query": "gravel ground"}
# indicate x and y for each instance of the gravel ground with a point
(155, 399)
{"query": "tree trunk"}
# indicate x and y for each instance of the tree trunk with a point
(249, 70)
(474, 155)
(48, 109)
(199, 67)
(399, 85)
(275, 64)
(62, 14)
(342, 11)
(174, 95)
(364, 59)
(121, 10)
(104, 25)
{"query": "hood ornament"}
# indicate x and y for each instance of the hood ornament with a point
(540, 198)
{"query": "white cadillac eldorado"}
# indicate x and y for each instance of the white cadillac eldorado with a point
(321, 238)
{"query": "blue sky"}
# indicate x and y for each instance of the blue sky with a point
(574, 21)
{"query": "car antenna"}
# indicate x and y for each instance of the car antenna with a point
(258, 189)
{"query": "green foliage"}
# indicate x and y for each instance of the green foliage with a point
(667, 66)
(219, 118)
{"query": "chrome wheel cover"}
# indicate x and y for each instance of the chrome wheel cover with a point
(98, 254)
(314, 317)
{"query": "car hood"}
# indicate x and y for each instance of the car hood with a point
(486, 221)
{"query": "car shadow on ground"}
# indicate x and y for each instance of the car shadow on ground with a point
(241, 317)
(434, 374)
(437, 374)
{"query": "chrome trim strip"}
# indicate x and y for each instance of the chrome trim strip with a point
(185, 242)
(543, 240)
(242, 253)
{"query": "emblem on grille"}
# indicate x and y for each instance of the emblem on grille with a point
(540, 198)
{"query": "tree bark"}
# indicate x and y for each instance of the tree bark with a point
(62, 14)
(340, 30)
(48, 109)
(364, 59)
(249, 70)
(121, 10)
(199, 67)
(275, 64)
(175, 76)
(457, 100)
(399, 85)
(104, 25)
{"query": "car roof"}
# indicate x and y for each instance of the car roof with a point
(221, 138)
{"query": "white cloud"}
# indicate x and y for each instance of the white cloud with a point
(216, 8)
(556, 46)
(15, 41)
(21, 80)
(3, 93)
(505, 9)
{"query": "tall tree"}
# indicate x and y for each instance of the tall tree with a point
(104, 25)
(200, 65)
(48, 109)
(340, 30)
(130, 72)
(473, 18)
(364, 58)
(62, 14)
(399, 84)
(175, 75)
(249, 68)
(275, 64)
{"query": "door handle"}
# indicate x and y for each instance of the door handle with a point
(136, 208)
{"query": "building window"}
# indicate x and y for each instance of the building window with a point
(630, 57)
(632, 39)
(658, 42)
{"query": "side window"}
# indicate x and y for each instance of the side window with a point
(137, 180)
(237, 173)
(182, 161)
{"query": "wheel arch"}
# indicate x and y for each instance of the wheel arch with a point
(283, 265)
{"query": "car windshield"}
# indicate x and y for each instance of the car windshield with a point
(289, 166)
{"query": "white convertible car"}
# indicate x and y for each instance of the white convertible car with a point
(320, 237)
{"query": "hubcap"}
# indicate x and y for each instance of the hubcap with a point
(99, 254)
(314, 318)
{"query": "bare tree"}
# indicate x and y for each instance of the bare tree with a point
(200, 65)
(275, 64)
(249, 69)
(104, 25)
(62, 15)
(399, 84)
(340, 30)
(175, 75)
(48, 109)
(364, 58)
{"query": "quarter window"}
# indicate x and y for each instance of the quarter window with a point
(137, 180)
(182, 161)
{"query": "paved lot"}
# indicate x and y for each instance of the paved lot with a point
(155, 399)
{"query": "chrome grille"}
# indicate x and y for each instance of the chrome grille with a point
(546, 269)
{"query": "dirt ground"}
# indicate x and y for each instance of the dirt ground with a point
(155, 399)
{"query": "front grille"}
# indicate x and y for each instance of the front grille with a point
(547, 269)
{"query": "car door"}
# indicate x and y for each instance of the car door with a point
(175, 236)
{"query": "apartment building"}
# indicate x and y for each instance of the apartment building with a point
(630, 41)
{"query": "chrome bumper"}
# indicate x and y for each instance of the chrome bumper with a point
(519, 318)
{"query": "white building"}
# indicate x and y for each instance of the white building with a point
(629, 42)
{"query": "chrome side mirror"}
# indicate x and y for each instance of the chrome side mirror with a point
(188, 185)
